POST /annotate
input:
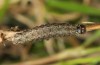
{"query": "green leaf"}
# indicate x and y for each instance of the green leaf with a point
(72, 6)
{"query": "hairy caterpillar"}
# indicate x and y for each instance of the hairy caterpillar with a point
(47, 31)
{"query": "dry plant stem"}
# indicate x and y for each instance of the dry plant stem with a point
(72, 53)
(61, 44)
(49, 46)
(62, 17)
(24, 20)
(39, 11)
(92, 27)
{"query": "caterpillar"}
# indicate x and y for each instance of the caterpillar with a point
(47, 31)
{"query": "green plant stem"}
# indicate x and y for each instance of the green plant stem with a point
(83, 60)
(4, 9)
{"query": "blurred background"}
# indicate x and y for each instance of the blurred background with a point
(71, 50)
